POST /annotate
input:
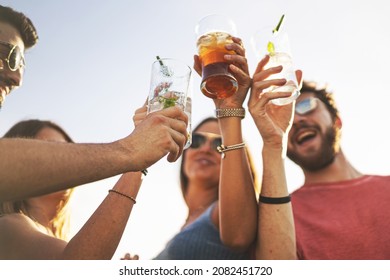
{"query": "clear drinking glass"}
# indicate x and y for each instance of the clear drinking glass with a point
(188, 111)
(169, 86)
(213, 33)
(276, 44)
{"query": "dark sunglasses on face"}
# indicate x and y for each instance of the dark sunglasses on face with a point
(13, 56)
(306, 106)
(199, 140)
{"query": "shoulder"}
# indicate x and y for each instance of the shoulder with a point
(21, 238)
(14, 219)
(380, 177)
(14, 232)
(15, 224)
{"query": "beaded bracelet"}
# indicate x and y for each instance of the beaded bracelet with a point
(122, 194)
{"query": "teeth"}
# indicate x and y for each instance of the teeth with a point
(2, 96)
(301, 137)
(204, 161)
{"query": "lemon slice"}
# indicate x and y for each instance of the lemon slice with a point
(271, 48)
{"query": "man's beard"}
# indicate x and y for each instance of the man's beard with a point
(325, 156)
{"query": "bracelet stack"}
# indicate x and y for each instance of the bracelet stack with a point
(230, 112)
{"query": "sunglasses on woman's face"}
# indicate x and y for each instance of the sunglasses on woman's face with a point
(306, 106)
(13, 56)
(199, 140)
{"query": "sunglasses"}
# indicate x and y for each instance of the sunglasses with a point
(199, 140)
(13, 56)
(306, 106)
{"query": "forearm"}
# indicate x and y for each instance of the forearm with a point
(33, 167)
(100, 236)
(276, 232)
(237, 197)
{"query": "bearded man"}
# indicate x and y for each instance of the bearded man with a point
(339, 213)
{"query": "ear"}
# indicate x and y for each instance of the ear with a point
(338, 123)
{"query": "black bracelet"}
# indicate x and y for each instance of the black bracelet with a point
(275, 200)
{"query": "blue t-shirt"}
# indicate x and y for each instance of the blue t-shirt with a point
(199, 241)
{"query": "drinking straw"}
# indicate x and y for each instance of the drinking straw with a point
(276, 29)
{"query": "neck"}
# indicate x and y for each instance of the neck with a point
(199, 197)
(339, 170)
(42, 211)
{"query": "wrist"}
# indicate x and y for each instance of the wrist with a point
(124, 155)
(273, 151)
(276, 142)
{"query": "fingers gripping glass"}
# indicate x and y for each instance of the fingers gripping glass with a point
(199, 140)
(306, 106)
(13, 56)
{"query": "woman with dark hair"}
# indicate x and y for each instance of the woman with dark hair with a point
(208, 187)
(37, 227)
(217, 179)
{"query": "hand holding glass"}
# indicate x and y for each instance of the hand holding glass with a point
(276, 45)
(169, 87)
(213, 33)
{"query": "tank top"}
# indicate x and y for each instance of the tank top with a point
(199, 240)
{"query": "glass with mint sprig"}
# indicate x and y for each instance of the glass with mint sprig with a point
(169, 87)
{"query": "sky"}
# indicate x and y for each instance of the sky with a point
(91, 70)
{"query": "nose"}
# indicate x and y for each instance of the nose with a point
(298, 118)
(206, 147)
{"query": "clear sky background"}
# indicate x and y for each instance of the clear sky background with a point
(91, 69)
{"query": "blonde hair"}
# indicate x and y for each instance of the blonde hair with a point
(60, 223)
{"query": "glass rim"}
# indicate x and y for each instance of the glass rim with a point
(162, 59)
(228, 19)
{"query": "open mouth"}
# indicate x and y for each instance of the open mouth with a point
(204, 161)
(305, 136)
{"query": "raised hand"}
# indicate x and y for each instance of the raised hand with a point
(239, 68)
(272, 121)
(158, 134)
